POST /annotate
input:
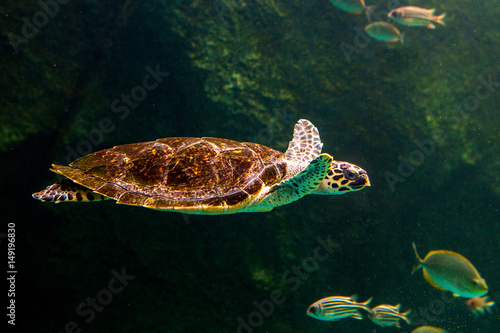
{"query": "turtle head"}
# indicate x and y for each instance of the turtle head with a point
(343, 177)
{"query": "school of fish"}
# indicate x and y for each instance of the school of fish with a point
(442, 269)
(410, 16)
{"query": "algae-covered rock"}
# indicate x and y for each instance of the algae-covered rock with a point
(248, 70)
(53, 64)
(315, 59)
(45, 61)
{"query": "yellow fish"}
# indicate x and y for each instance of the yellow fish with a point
(350, 6)
(384, 32)
(447, 270)
(428, 329)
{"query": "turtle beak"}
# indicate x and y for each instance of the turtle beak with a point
(364, 175)
(367, 181)
(361, 182)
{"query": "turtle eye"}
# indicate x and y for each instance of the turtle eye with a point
(350, 175)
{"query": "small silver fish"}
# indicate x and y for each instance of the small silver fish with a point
(416, 17)
(388, 315)
(338, 307)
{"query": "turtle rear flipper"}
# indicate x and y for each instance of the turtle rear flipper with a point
(67, 190)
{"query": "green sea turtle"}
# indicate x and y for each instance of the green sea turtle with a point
(207, 175)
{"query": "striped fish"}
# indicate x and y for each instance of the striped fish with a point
(388, 315)
(338, 307)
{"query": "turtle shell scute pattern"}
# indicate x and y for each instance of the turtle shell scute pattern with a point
(180, 173)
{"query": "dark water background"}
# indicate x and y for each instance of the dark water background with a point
(248, 70)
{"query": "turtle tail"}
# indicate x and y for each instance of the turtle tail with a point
(67, 190)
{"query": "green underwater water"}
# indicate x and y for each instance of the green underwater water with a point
(422, 118)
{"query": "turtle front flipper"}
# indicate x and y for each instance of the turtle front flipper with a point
(67, 190)
(295, 188)
(305, 146)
